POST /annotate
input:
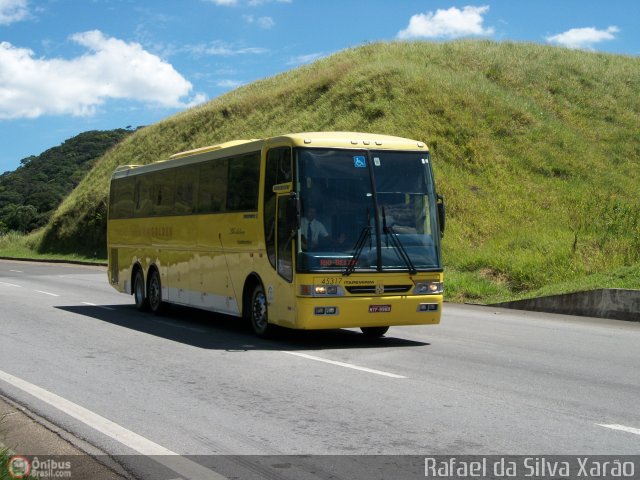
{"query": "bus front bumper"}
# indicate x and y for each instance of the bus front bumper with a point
(347, 312)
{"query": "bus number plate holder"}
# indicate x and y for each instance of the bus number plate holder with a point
(379, 308)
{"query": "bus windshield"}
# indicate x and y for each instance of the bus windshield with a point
(366, 210)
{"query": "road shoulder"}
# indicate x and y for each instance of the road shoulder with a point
(30, 436)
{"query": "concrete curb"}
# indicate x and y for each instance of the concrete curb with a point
(49, 260)
(612, 303)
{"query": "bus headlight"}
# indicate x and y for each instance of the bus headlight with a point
(428, 288)
(321, 291)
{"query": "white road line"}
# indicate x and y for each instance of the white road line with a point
(342, 364)
(181, 465)
(48, 293)
(635, 431)
(99, 306)
(10, 284)
(16, 271)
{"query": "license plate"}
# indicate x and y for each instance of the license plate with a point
(379, 308)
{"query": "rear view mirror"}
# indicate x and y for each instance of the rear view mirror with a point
(441, 215)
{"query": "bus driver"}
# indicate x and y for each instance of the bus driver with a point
(312, 229)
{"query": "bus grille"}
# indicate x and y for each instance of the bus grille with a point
(371, 289)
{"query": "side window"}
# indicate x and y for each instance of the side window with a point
(278, 170)
(142, 196)
(244, 179)
(213, 187)
(121, 201)
(186, 182)
(163, 192)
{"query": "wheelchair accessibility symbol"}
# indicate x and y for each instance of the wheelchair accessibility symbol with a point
(359, 161)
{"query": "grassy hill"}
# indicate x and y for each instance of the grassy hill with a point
(536, 149)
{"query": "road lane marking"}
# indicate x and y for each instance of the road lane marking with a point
(99, 306)
(342, 364)
(16, 271)
(635, 431)
(10, 284)
(48, 293)
(179, 464)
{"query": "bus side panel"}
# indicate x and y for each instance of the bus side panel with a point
(176, 240)
(242, 250)
(227, 246)
(119, 241)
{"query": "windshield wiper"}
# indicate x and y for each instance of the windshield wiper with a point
(365, 234)
(395, 241)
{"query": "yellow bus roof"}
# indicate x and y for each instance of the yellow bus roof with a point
(350, 140)
(303, 139)
(210, 148)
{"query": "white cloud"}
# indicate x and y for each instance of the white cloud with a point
(219, 48)
(13, 11)
(262, 22)
(251, 3)
(256, 3)
(451, 23)
(111, 69)
(225, 3)
(229, 83)
(304, 59)
(583, 37)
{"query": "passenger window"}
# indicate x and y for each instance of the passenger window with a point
(142, 196)
(186, 181)
(244, 179)
(122, 198)
(163, 192)
(213, 187)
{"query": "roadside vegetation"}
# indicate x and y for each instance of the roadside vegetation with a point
(26, 247)
(535, 148)
(5, 457)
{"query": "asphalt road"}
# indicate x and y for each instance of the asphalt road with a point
(484, 381)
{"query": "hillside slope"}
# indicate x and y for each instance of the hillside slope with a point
(535, 148)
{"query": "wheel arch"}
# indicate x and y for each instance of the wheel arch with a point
(134, 270)
(250, 283)
(152, 268)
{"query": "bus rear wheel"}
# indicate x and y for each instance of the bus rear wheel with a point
(258, 312)
(374, 332)
(142, 302)
(156, 305)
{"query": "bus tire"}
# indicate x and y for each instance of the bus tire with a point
(139, 291)
(154, 293)
(374, 332)
(258, 312)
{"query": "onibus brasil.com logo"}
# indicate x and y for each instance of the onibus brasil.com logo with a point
(21, 467)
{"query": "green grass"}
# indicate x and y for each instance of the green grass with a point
(18, 245)
(535, 149)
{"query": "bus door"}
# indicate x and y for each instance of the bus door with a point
(278, 282)
(281, 294)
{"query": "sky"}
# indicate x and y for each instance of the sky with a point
(68, 66)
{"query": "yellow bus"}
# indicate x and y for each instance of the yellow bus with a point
(306, 231)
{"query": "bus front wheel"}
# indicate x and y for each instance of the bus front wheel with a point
(259, 313)
(374, 332)
(142, 302)
(156, 305)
